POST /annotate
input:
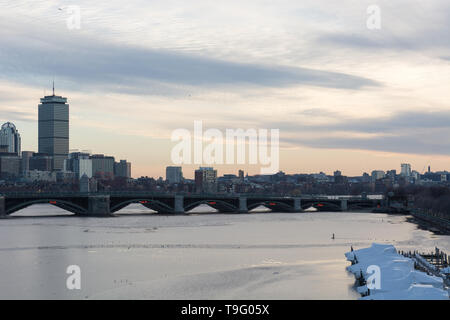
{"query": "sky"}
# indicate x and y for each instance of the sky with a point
(343, 96)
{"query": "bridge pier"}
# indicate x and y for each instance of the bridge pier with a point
(179, 204)
(243, 205)
(2, 207)
(344, 205)
(99, 206)
(297, 205)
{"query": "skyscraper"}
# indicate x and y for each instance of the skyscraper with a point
(122, 169)
(174, 174)
(10, 138)
(80, 163)
(102, 166)
(54, 128)
(406, 170)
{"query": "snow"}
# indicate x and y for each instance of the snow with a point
(398, 279)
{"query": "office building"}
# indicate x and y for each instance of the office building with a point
(406, 170)
(26, 156)
(54, 129)
(9, 165)
(122, 169)
(377, 175)
(41, 162)
(10, 139)
(102, 166)
(79, 163)
(206, 180)
(174, 175)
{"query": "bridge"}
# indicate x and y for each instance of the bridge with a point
(107, 203)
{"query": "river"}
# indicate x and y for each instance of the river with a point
(139, 255)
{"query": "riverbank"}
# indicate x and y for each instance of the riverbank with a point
(435, 224)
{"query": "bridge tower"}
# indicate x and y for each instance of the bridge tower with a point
(98, 205)
(243, 205)
(2, 207)
(178, 204)
(344, 205)
(297, 205)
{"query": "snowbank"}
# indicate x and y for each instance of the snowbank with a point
(397, 278)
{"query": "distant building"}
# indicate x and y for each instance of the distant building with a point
(377, 175)
(88, 184)
(122, 169)
(54, 129)
(79, 163)
(206, 180)
(26, 156)
(84, 183)
(406, 170)
(174, 175)
(337, 173)
(392, 174)
(65, 176)
(340, 179)
(9, 165)
(365, 177)
(10, 139)
(36, 176)
(102, 166)
(41, 162)
(241, 175)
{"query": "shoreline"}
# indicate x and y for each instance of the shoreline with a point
(429, 222)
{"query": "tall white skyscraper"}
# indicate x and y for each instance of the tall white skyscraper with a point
(10, 138)
(54, 128)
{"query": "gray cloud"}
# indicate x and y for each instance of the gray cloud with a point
(410, 143)
(135, 70)
(17, 115)
(406, 132)
(399, 121)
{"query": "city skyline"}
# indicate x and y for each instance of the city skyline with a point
(348, 98)
(405, 168)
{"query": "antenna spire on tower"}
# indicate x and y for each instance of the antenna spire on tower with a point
(53, 87)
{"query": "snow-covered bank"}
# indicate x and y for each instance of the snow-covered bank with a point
(385, 274)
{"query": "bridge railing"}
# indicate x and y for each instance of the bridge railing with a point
(193, 195)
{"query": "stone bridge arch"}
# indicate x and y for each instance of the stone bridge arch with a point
(64, 204)
(218, 204)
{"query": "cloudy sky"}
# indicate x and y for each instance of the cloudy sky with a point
(343, 96)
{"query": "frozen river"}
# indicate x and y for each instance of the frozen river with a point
(201, 256)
